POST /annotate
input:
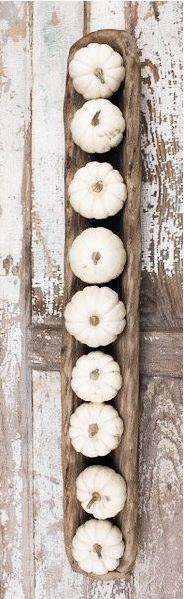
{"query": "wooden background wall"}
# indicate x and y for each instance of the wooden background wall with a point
(35, 39)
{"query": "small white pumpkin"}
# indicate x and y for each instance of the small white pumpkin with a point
(97, 255)
(95, 429)
(97, 190)
(98, 546)
(101, 491)
(97, 71)
(95, 316)
(98, 126)
(96, 377)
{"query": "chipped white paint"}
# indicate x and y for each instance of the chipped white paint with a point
(158, 571)
(159, 41)
(56, 26)
(53, 576)
(106, 15)
(17, 555)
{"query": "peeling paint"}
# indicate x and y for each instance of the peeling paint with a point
(18, 30)
(15, 99)
(7, 263)
(160, 491)
(48, 153)
(157, 30)
(55, 20)
(161, 142)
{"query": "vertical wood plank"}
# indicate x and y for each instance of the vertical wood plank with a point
(158, 570)
(56, 26)
(54, 578)
(157, 27)
(16, 422)
(105, 15)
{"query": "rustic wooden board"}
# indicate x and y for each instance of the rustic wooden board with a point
(127, 224)
(160, 352)
(16, 513)
(27, 560)
(55, 28)
(158, 30)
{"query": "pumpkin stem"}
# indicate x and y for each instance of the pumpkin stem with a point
(98, 549)
(94, 374)
(98, 186)
(93, 429)
(95, 257)
(95, 497)
(99, 74)
(95, 119)
(94, 320)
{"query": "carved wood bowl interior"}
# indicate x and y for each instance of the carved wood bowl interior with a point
(125, 158)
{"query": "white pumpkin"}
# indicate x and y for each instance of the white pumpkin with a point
(95, 429)
(97, 255)
(98, 546)
(97, 190)
(95, 316)
(101, 491)
(96, 377)
(98, 126)
(97, 71)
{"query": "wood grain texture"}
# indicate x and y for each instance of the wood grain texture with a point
(127, 224)
(157, 27)
(55, 28)
(160, 352)
(17, 563)
(53, 575)
(158, 571)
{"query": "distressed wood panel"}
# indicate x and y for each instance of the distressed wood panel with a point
(157, 26)
(160, 353)
(17, 578)
(158, 571)
(54, 578)
(56, 25)
(104, 15)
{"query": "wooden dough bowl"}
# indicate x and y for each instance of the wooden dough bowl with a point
(126, 158)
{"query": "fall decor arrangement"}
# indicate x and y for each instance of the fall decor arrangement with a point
(101, 298)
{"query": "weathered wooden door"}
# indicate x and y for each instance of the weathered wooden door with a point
(35, 41)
